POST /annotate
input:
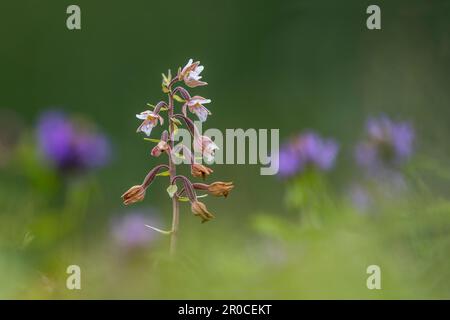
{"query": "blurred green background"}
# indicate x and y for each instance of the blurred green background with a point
(292, 65)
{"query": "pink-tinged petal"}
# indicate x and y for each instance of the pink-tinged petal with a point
(194, 83)
(183, 109)
(185, 68)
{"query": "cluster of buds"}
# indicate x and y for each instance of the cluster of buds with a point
(180, 188)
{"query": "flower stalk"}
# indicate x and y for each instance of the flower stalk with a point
(190, 76)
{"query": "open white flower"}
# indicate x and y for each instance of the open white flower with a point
(150, 121)
(190, 74)
(195, 105)
(205, 146)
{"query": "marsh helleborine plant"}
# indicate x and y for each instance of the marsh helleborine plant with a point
(187, 192)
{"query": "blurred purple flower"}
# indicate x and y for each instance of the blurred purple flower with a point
(387, 143)
(130, 232)
(305, 150)
(359, 197)
(70, 146)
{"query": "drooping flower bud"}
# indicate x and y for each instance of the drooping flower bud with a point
(199, 209)
(220, 188)
(199, 170)
(134, 194)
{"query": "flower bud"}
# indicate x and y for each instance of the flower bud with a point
(199, 170)
(219, 188)
(199, 209)
(134, 194)
(159, 148)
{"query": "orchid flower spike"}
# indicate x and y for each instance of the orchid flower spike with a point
(190, 74)
(196, 105)
(150, 121)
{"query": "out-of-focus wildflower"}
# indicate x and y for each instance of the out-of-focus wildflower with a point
(360, 197)
(388, 143)
(307, 150)
(199, 209)
(190, 74)
(71, 145)
(196, 106)
(130, 231)
(205, 146)
(199, 170)
(150, 121)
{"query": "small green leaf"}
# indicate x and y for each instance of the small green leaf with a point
(163, 174)
(176, 121)
(172, 189)
(152, 140)
(179, 156)
(186, 199)
(153, 107)
(159, 230)
(178, 98)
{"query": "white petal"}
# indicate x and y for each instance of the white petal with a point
(202, 113)
(147, 129)
(143, 115)
(199, 69)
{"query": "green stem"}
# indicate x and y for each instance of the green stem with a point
(172, 171)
